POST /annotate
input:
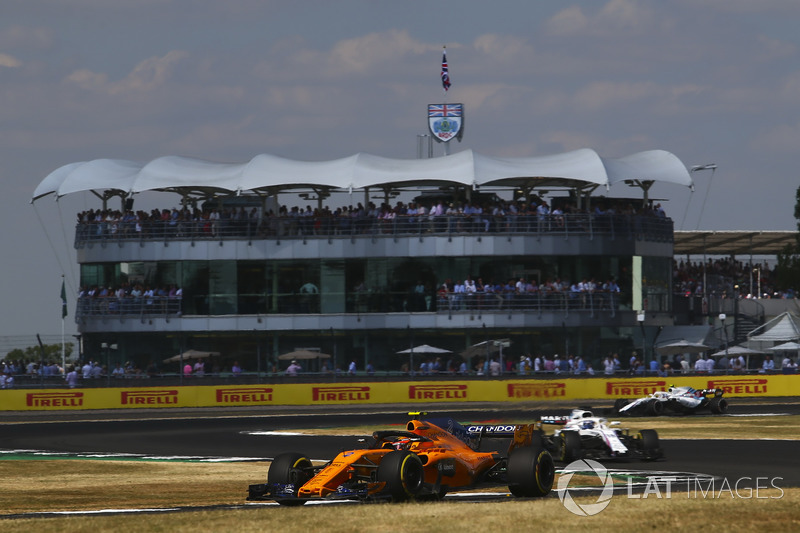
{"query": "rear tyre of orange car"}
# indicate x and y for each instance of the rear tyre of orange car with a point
(290, 468)
(531, 472)
(403, 473)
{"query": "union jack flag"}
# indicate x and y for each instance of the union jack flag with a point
(445, 110)
(445, 75)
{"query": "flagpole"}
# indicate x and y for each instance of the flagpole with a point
(63, 349)
(445, 86)
(63, 315)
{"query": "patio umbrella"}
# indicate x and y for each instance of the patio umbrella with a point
(681, 346)
(189, 355)
(736, 350)
(422, 348)
(785, 347)
(486, 348)
(303, 354)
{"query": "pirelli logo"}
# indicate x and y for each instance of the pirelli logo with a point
(633, 387)
(54, 399)
(149, 397)
(437, 392)
(740, 386)
(537, 390)
(341, 393)
(244, 395)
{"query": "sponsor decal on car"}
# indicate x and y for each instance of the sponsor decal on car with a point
(149, 397)
(244, 395)
(537, 390)
(54, 399)
(437, 392)
(740, 386)
(634, 387)
(340, 393)
(502, 430)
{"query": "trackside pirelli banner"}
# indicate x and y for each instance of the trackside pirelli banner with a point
(354, 393)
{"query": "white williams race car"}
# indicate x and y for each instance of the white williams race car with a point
(584, 435)
(676, 400)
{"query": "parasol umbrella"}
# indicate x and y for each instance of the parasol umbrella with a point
(681, 346)
(189, 355)
(736, 350)
(422, 348)
(785, 347)
(303, 354)
(487, 348)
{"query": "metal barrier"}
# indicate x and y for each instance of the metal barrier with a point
(649, 228)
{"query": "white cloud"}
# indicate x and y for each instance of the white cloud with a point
(780, 138)
(570, 21)
(605, 94)
(146, 76)
(9, 61)
(615, 17)
(25, 37)
(363, 53)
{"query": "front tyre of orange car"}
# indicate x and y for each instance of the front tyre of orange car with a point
(531, 472)
(403, 473)
(289, 471)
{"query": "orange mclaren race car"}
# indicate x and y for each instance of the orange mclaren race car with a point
(430, 458)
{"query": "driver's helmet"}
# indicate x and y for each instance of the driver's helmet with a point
(587, 424)
(402, 444)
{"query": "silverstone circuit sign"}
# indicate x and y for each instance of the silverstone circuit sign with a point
(446, 121)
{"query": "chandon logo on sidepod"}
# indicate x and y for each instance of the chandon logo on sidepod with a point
(586, 467)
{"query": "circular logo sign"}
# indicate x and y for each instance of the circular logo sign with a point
(586, 467)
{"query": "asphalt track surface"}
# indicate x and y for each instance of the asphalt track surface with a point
(262, 433)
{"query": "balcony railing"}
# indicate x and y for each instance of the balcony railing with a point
(649, 228)
(565, 302)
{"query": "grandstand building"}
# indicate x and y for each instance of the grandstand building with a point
(258, 259)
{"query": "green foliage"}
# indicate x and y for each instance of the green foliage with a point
(788, 270)
(52, 352)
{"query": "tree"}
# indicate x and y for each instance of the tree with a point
(52, 352)
(788, 271)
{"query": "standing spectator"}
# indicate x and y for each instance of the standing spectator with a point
(293, 369)
(72, 378)
(236, 369)
(187, 369)
(352, 368)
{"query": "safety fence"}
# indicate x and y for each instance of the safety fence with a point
(397, 393)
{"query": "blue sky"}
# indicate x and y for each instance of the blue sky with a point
(713, 81)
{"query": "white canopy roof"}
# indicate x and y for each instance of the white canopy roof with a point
(784, 327)
(264, 172)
